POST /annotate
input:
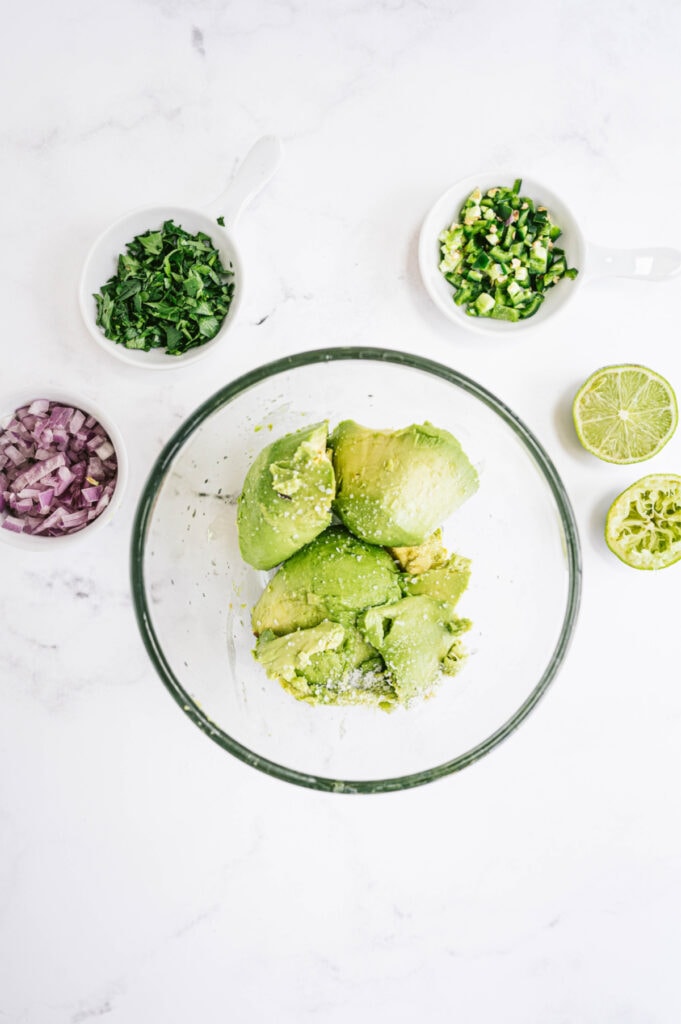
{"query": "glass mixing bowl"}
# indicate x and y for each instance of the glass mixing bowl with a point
(193, 593)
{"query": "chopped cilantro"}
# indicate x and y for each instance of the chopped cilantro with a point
(171, 292)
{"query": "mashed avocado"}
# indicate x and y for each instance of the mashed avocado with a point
(326, 664)
(360, 611)
(418, 639)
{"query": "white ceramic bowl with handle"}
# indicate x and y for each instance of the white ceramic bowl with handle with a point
(255, 171)
(653, 264)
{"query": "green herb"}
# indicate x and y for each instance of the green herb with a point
(171, 292)
(221, 221)
(501, 256)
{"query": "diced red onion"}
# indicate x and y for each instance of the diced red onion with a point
(60, 415)
(92, 494)
(58, 469)
(13, 523)
(95, 467)
(53, 522)
(105, 451)
(38, 470)
(77, 421)
(15, 455)
(71, 520)
(60, 436)
(103, 501)
(39, 407)
(64, 477)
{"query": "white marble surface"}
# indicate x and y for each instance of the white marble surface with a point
(145, 875)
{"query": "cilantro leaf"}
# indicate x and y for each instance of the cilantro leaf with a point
(171, 291)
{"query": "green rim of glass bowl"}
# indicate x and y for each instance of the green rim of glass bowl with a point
(142, 610)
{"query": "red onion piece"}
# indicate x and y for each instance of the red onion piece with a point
(13, 453)
(39, 407)
(13, 523)
(92, 494)
(77, 421)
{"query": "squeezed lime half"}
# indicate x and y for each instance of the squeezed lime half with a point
(625, 413)
(643, 525)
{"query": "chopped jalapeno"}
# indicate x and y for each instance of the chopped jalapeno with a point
(500, 255)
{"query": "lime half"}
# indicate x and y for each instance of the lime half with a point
(625, 413)
(643, 526)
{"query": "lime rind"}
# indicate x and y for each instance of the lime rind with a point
(625, 413)
(643, 525)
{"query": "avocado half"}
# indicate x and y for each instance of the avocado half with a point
(286, 498)
(395, 488)
(334, 577)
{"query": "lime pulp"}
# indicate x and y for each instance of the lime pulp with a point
(643, 526)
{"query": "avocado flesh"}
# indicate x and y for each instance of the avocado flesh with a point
(418, 639)
(286, 498)
(326, 664)
(429, 569)
(395, 487)
(363, 612)
(421, 557)
(445, 582)
(334, 577)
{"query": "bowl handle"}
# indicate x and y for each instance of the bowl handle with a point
(646, 264)
(255, 170)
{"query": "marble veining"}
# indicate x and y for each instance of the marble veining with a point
(145, 874)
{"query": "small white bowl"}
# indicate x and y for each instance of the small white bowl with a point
(102, 261)
(15, 400)
(654, 264)
(446, 211)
